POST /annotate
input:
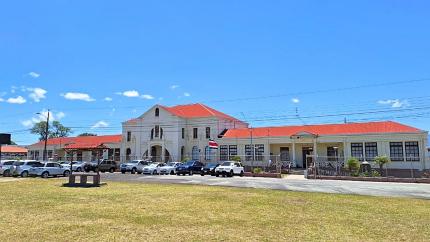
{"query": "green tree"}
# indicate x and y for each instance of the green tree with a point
(56, 130)
(236, 158)
(381, 161)
(87, 134)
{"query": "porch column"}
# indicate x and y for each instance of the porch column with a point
(294, 154)
(149, 150)
(315, 148)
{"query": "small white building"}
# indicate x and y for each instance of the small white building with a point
(175, 133)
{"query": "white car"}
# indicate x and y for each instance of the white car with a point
(49, 169)
(152, 169)
(229, 168)
(133, 166)
(5, 167)
(77, 166)
(169, 168)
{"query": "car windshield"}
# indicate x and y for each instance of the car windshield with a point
(18, 163)
(171, 164)
(134, 161)
(8, 163)
(227, 163)
(189, 163)
(153, 164)
(210, 165)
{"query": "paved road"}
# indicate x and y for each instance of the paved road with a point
(325, 186)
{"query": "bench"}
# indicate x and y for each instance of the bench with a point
(83, 180)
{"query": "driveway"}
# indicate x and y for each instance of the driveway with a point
(303, 185)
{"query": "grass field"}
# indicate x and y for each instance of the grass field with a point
(42, 210)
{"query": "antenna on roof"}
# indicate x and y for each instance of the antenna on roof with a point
(298, 116)
(344, 120)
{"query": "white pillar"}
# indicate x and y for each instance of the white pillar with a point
(294, 154)
(163, 151)
(315, 147)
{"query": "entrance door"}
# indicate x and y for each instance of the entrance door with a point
(285, 153)
(306, 160)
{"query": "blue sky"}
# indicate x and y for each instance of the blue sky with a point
(257, 60)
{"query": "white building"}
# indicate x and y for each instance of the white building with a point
(174, 133)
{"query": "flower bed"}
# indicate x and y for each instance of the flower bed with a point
(263, 174)
(374, 179)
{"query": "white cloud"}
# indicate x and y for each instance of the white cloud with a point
(295, 100)
(42, 117)
(100, 124)
(1, 99)
(395, 103)
(37, 93)
(187, 94)
(16, 100)
(78, 96)
(147, 96)
(34, 74)
(108, 99)
(173, 87)
(131, 93)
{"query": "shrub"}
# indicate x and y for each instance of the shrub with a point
(381, 161)
(353, 164)
(375, 174)
(257, 170)
(236, 158)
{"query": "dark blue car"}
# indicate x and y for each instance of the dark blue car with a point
(189, 167)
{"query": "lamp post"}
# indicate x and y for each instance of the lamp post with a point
(46, 135)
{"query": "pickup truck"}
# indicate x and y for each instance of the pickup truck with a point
(229, 169)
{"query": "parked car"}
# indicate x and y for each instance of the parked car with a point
(77, 166)
(229, 168)
(209, 169)
(22, 168)
(169, 168)
(190, 167)
(5, 166)
(104, 166)
(134, 166)
(49, 169)
(152, 169)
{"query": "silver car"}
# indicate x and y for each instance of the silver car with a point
(5, 166)
(48, 169)
(22, 168)
(77, 166)
(152, 169)
(133, 166)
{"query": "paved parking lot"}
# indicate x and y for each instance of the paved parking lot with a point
(342, 187)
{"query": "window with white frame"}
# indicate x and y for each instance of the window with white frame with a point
(259, 152)
(223, 152)
(357, 150)
(232, 151)
(208, 153)
(371, 150)
(396, 151)
(412, 151)
(249, 152)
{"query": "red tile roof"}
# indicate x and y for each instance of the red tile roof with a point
(324, 129)
(197, 110)
(82, 141)
(13, 149)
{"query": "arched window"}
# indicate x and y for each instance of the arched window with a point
(157, 112)
(152, 133)
(157, 131)
(195, 153)
(182, 153)
(208, 153)
(127, 153)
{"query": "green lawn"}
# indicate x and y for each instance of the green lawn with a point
(42, 210)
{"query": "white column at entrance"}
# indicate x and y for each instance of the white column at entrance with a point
(149, 150)
(294, 154)
(163, 153)
(315, 148)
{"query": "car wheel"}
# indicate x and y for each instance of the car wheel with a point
(123, 172)
(217, 174)
(231, 174)
(24, 174)
(178, 174)
(139, 172)
(133, 171)
(112, 170)
(79, 169)
(223, 174)
(172, 173)
(202, 174)
(6, 173)
(154, 173)
(241, 174)
(45, 174)
(66, 173)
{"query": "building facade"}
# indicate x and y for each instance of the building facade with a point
(179, 132)
(13, 152)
